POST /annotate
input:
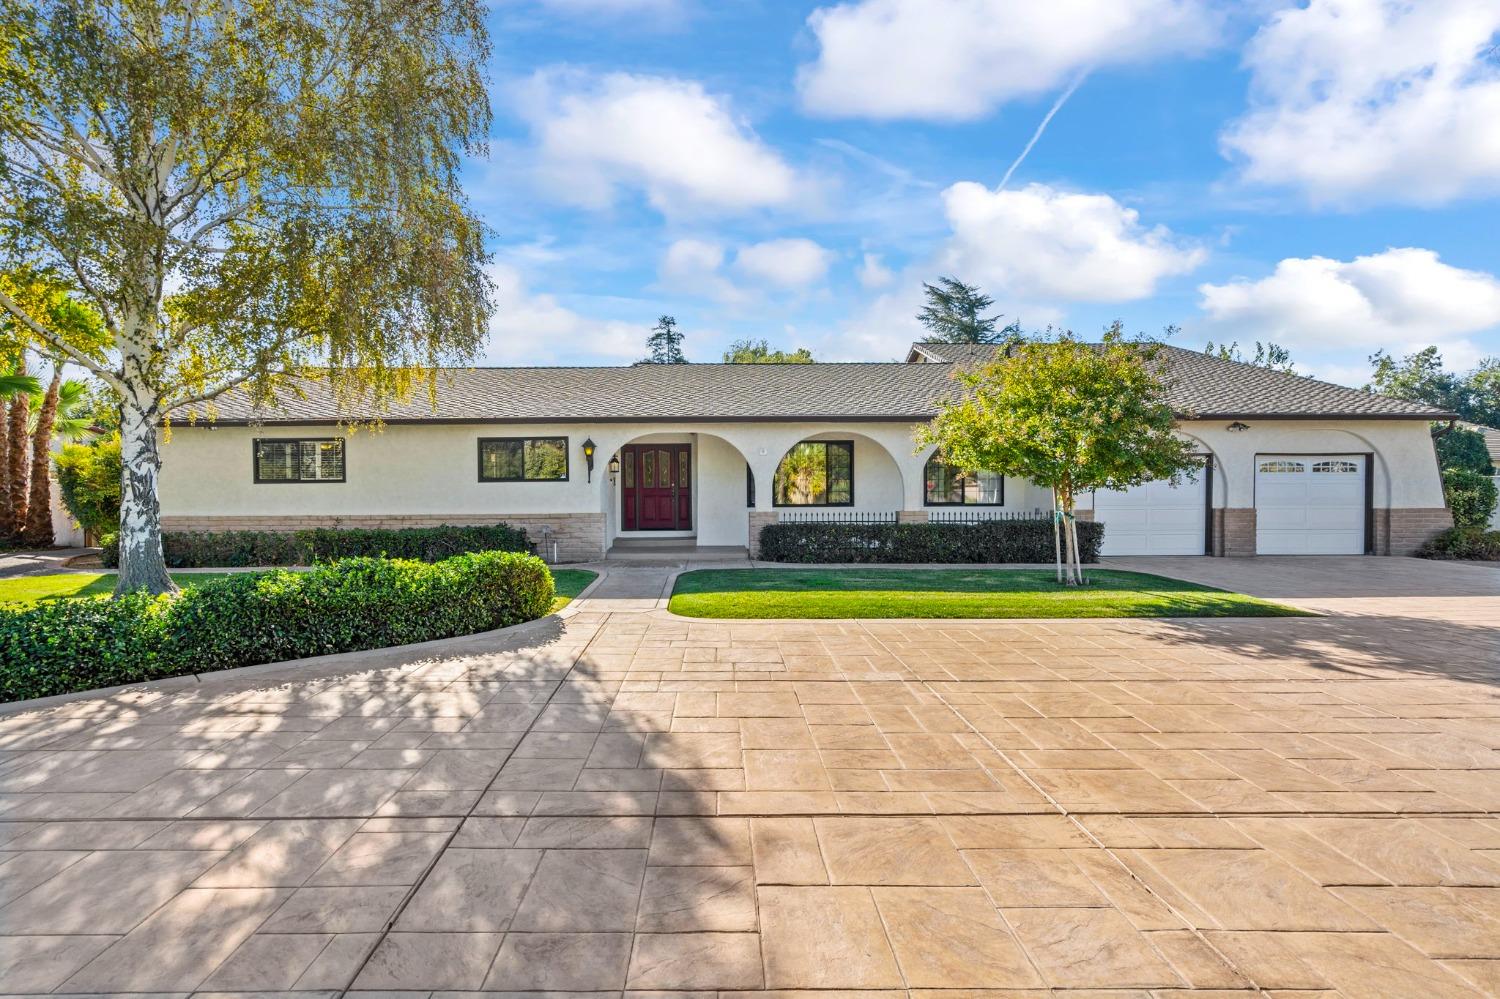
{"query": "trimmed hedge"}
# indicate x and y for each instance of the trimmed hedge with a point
(236, 549)
(1468, 543)
(347, 606)
(985, 541)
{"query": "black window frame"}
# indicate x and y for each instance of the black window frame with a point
(927, 499)
(776, 502)
(255, 446)
(567, 457)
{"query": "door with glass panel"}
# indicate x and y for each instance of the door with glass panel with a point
(656, 487)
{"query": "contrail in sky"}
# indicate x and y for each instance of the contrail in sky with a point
(1056, 107)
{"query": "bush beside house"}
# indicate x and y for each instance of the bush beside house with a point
(1469, 543)
(987, 541)
(347, 606)
(236, 549)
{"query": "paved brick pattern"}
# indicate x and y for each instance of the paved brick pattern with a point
(643, 803)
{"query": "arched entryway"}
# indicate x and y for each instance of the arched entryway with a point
(688, 486)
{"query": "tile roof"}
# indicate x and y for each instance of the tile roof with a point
(1207, 386)
(1199, 386)
(647, 392)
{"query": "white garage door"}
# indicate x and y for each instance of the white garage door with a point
(1310, 505)
(1154, 519)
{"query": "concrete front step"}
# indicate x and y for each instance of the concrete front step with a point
(661, 553)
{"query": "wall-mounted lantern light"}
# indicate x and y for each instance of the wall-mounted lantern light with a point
(614, 468)
(1237, 427)
(588, 456)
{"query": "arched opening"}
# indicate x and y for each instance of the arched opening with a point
(688, 485)
(839, 470)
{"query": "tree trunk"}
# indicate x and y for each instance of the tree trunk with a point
(1069, 539)
(141, 563)
(7, 529)
(37, 532)
(15, 487)
(1057, 535)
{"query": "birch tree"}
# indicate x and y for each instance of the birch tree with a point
(248, 192)
(1071, 417)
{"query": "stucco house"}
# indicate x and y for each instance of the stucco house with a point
(706, 454)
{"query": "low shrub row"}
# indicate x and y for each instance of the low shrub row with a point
(1474, 543)
(346, 606)
(232, 549)
(985, 541)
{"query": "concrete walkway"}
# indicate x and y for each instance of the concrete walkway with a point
(634, 801)
(38, 563)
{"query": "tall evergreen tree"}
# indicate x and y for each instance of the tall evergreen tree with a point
(665, 343)
(953, 314)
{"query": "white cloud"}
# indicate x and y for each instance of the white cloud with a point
(612, 7)
(1358, 100)
(785, 263)
(529, 328)
(1039, 243)
(873, 273)
(667, 137)
(697, 267)
(694, 267)
(1397, 299)
(959, 59)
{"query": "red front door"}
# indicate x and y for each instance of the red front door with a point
(656, 487)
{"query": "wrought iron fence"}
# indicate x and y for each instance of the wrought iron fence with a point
(962, 515)
(838, 517)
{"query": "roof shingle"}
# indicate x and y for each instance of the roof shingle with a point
(1199, 385)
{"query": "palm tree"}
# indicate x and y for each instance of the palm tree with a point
(55, 418)
(14, 384)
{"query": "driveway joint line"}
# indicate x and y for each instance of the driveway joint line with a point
(1072, 819)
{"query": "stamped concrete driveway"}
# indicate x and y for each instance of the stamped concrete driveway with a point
(633, 801)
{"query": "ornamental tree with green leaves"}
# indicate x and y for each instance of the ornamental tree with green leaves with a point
(1070, 416)
(246, 192)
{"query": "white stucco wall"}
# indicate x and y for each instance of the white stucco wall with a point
(431, 469)
(1405, 462)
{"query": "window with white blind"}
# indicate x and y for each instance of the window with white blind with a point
(284, 459)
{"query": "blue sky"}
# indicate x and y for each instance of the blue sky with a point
(1320, 173)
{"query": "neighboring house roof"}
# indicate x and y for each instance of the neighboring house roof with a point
(1491, 439)
(1201, 386)
(1208, 386)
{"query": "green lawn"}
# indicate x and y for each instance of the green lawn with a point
(569, 583)
(26, 590)
(952, 593)
(68, 585)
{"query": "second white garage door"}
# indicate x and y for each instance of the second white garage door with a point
(1310, 505)
(1154, 519)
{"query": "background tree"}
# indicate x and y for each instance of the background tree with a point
(29, 425)
(246, 193)
(953, 314)
(1418, 377)
(1067, 415)
(88, 482)
(760, 352)
(13, 383)
(1464, 448)
(1267, 355)
(664, 345)
(57, 419)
